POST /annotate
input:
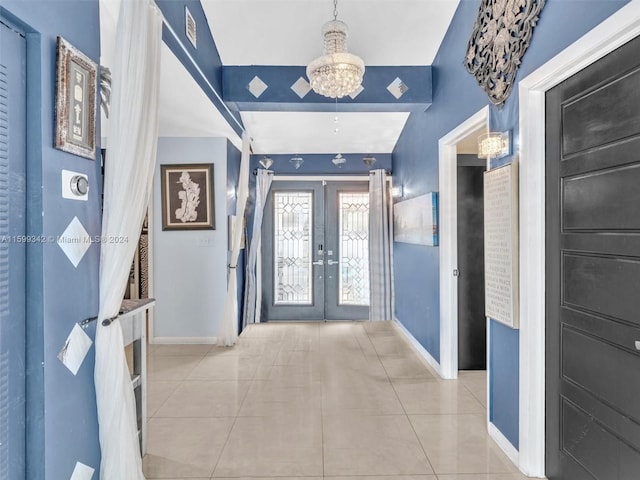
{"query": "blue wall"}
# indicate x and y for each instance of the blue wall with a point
(62, 423)
(456, 97)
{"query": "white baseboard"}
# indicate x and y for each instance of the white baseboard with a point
(420, 350)
(183, 340)
(504, 444)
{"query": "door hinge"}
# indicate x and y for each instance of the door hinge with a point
(456, 272)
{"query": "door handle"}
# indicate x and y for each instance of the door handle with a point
(319, 262)
(332, 262)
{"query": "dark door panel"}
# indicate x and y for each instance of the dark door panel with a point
(472, 324)
(593, 271)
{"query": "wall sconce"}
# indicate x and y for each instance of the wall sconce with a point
(397, 191)
(266, 162)
(339, 160)
(369, 160)
(494, 145)
(296, 161)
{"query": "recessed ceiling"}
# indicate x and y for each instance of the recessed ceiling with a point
(288, 32)
(185, 110)
(313, 132)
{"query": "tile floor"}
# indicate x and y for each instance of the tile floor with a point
(315, 400)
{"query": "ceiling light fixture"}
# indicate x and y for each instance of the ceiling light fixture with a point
(339, 160)
(296, 161)
(266, 162)
(369, 160)
(336, 73)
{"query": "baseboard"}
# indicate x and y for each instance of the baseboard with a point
(183, 340)
(420, 350)
(504, 444)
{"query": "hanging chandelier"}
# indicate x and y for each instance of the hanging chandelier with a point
(336, 73)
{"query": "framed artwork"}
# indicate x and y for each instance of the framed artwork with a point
(76, 99)
(187, 197)
(416, 220)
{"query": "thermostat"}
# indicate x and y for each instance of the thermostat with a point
(75, 185)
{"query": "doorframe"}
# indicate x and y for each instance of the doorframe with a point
(448, 230)
(613, 32)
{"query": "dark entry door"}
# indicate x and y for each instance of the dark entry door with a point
(472, 324)
(13, 126)
(315, 245)
(593, 271)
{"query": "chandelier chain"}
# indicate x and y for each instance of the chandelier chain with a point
(335, 9)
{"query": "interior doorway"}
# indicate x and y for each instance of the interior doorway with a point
(462, 139)
(315, 245)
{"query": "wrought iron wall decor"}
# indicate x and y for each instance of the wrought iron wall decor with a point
(499, 40)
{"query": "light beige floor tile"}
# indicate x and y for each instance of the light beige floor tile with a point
(476, 383)
(385, 477)
(275, 398)
(368, 397)
(405, 366)
(460, 444)
(273, 446)
(226, 368)
(203, 398)
(179, 350)
(184, 447)
(157, 394)
(372, 445)
(486, 476)
(432, 396)
(167, 368)
(391, 346)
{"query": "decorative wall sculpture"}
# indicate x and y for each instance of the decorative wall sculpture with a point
(499, 40)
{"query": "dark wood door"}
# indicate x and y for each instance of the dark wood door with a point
(472, 324)
(593, 271)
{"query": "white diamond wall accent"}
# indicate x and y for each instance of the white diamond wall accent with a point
(397, 88)
(75, 241)
(301, 87)
(357, 92)
(257, 86)
(82, 472)
(75, 349)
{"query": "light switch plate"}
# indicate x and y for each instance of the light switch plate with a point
(637, 344)
(67, 175)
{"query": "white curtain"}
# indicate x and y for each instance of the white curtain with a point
(229, 328)
(127, 185)
(252, 282)
(380, 247)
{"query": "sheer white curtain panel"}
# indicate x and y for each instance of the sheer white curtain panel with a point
(228, 335)
(251, 301)
(129, 167)
(380, 247)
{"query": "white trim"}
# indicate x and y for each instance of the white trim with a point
(420, 350)
(505, 445)
(613, 32)
(488, 379)
(448, 219)
(185, 340)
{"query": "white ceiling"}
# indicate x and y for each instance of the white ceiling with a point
(287, 32)
(313, 132)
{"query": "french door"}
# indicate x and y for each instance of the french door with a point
(315, 246)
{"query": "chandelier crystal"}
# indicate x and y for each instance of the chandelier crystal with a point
(336, 73)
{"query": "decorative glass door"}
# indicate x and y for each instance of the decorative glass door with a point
(316, 251)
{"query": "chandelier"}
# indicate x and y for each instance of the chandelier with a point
(336, 73)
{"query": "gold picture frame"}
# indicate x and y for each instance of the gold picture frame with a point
(76, 101)
(187, 197)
